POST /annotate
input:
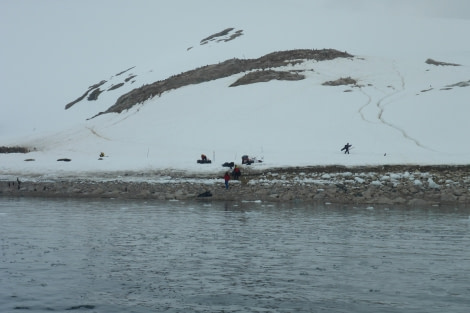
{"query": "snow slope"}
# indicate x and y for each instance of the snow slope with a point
(402, 112)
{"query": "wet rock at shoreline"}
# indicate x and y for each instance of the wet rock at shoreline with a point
(405, 185)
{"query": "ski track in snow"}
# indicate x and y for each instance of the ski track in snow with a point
(128, 114)
(381, 108)
(92, 129)
(365, 105)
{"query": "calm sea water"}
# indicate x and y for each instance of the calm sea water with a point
(136, 256)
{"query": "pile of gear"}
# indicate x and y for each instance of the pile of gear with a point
(204, 160)
(250, 160)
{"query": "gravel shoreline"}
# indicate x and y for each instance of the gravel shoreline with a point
(391, 184)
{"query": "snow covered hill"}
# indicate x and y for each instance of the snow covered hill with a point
(59, 69)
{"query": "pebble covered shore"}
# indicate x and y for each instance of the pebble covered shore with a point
(406, 185)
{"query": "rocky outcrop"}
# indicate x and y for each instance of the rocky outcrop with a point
(438, 63)
(340, 81)
(225, 35)
(221, 70)
(15, 149)
(460, 84)
(94, 91)
(265, 76)
(91, 89)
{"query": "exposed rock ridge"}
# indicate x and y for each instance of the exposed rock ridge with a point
(220, 36)
(439, 63)
(265, 76)
(341, 81)
(221, 70)
(94, 91)
(90, 89)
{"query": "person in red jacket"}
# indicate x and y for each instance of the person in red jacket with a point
(226, 178)
(236, 173)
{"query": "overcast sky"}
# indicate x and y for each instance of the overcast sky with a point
(434, 8)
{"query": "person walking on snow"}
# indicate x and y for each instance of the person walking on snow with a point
(346, 148)
(226, 178)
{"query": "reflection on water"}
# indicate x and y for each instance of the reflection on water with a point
(134, 256)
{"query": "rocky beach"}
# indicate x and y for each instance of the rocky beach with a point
(388, 185)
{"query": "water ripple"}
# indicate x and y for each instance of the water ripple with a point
(135, 256)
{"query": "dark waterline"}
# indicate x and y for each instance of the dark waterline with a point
(137, 256)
